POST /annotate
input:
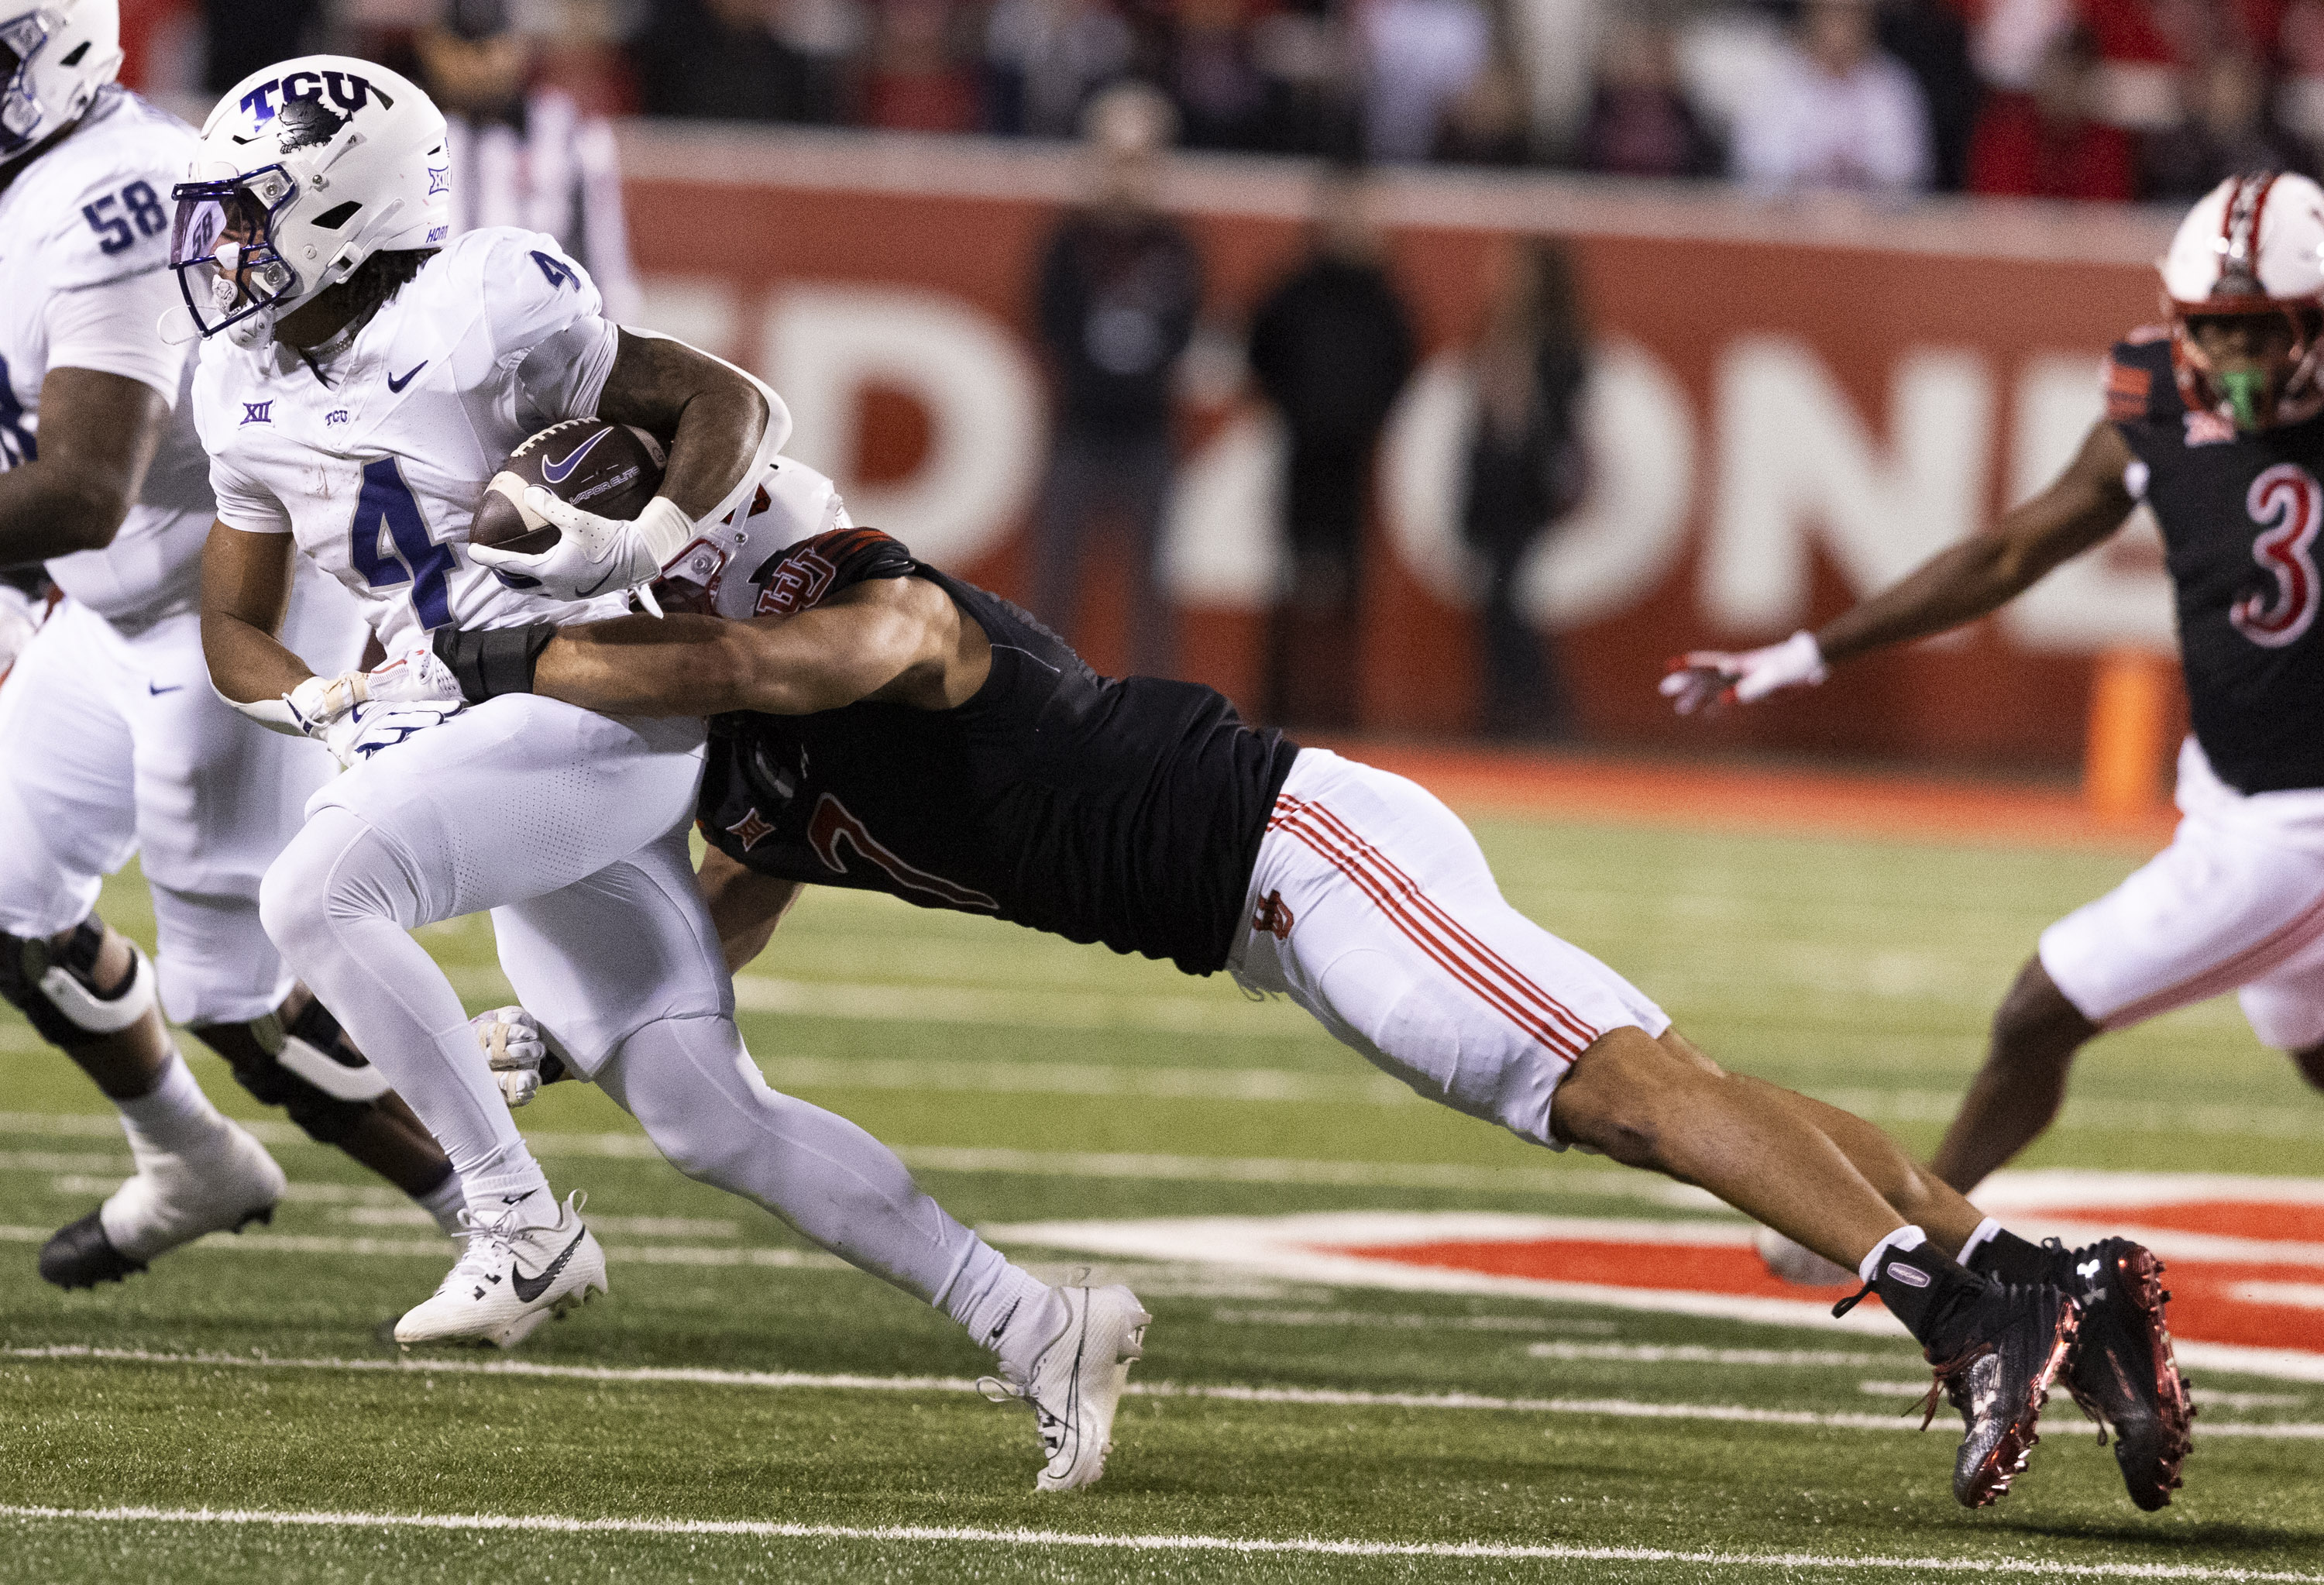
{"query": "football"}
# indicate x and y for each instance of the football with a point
(608, 468)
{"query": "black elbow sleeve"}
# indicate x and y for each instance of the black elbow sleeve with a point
(496, 662)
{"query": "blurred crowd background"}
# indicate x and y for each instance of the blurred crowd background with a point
(2096, 100)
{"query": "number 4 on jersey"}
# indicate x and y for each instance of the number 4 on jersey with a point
(389, 543)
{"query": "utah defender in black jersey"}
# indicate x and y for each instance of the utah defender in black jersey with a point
(887, 727)
(2216, 420)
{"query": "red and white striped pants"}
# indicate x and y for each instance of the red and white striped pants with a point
(1372, 907)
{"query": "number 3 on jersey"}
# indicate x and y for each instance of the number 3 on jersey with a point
(389, 543)
(2289, 505)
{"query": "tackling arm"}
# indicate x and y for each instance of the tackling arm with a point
(98, 435)
(900, 641)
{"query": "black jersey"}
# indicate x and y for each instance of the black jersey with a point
(2240, 513)
(1121, 810)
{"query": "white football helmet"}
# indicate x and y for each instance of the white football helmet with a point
(306, 170)
(53, 59)
(719, 569)
(2254, 244)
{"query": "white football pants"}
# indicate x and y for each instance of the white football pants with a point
(571, 827)
(113, 743)
(1373, 907)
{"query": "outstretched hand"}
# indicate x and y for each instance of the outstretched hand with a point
(1706, 681)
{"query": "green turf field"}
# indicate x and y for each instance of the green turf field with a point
(741, 1408)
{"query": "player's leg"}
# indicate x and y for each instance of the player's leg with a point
(2015, 1095)
(506, 801)
(1375, 909)
(217, 797)
(624, 970)
(67, 820)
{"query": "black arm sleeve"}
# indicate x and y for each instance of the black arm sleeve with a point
(492, 663)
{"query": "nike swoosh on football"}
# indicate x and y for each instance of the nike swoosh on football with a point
(557, 473)
(529, 1288)
(397, 386)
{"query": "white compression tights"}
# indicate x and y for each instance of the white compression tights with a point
(689, 1080)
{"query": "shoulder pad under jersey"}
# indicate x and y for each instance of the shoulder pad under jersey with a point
(2141, 385)
(99, 201)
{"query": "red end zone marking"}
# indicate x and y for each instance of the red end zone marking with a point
(2234, 1219)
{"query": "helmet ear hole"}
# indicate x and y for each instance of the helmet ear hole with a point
(80, 50)
(338, 215)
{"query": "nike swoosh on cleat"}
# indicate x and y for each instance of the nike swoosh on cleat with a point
(557, 473)
(529, 1288)
(397, 386)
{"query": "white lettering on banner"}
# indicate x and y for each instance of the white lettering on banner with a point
(1222, 548)
(986, 428)
(1797, 467)
(2116, 594)
(701, 310)
(1613, 550)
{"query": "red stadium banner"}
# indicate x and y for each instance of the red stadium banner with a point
(1791, 405)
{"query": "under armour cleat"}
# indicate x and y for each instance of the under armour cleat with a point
(1076, 1382)
(2124, 1375)
(509, 1280)
(2005, 1358)
(173, 1199)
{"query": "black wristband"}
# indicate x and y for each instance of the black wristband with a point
(498, 661)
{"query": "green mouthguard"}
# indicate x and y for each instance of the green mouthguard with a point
(2245, 389)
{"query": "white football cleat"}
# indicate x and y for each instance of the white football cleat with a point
(1796, 1263)
(510, 1280)
(174, 1199)
(1077, 1382)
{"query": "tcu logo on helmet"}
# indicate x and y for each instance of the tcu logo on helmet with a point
(349, 92)
(2287, 501)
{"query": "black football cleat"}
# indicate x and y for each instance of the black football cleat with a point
(2004, 1355)
(2123, 1374)
(79, 1255)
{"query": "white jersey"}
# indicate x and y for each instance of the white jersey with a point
(84, 279)
(376, 457)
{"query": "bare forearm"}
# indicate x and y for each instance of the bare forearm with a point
(247, 663)
(1971, 579)
(46, 509)
(714, 417)
(639, 666)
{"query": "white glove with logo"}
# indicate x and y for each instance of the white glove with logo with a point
(1705, 679)
(20, 618)
(595, 555)
(357, 713)
(366, 729)
(523, 1055)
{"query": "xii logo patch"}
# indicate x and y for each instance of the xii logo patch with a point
(751, 829)
(258, 412)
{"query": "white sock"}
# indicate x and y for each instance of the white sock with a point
(1975, 1241)
(510, 1179)
(174, 1118)
(1902, 1238)
(445, 1203)
(1009, 1312)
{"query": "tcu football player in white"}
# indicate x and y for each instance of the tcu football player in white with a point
(110, 738)
(2214, 420)
(362, 381)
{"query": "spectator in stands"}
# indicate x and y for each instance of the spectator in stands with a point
(1045, 58)
(1119, 284)
(721, 60)
(525, 157)
(2046, 142)
(1640, 121)
(1313, 60)
(2229, 128)
(1419, 56)
(1331, 347)
(1930, 39)
(1486, 124)
(1528, 469)
(1841, 115)
(1223, 99)
(915, 83)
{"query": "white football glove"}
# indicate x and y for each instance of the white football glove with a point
(414, 678)
(20, 618)
(595, 555)
(366, 729)
(1705, 679)
(523, 1055)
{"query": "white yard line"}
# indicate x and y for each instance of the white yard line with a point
(440, 1248)
(943, 1534)
(1330, 1397)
